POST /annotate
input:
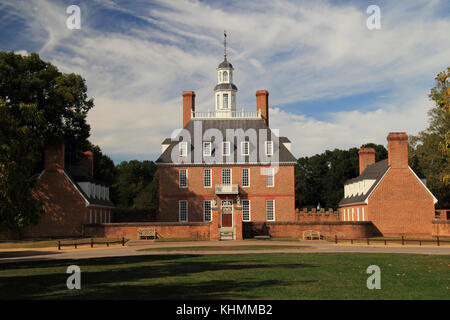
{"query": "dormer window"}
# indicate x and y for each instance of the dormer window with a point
(269, 148)
(183, 149)
(207, 149)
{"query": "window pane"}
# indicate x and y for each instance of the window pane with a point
(207, 210)
(183, 178)
(269, 148)
(183, 149)
(225, 76)
(245, 177)
(226, 148)
(269, 177)
(245, 148)
(225, 100)
(246, 210)
(207, 149)
(207, 178)
(183, 210)
(270, 210)
(226, 176)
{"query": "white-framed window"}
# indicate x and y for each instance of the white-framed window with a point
(225, 100)
(270, 210)
(245, 177)
(225, 76)
(226, 148)
(226, 176)
(246, 210)
(207, 210)
(269, 148)
(183, 178)
(182, 149)
(270, 177)
(245, 148)
(206, 149)
(207, 178)
(183, 210)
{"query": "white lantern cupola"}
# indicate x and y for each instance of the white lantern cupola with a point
(225, 90)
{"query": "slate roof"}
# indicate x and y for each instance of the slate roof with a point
(225, 64)
(372, 172)
(285, 156)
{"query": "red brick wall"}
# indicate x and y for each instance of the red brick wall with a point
(262, 104)
(64, 208)
(163, 229)
(295, 229)
(366, 158)
(316, 216)
(195, 193)
(400, 205)
(441, 228)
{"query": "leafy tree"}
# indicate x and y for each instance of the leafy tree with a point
(429, 150)
(21, 141)
(62, 98)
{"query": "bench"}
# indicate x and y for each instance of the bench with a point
(146, 233)
(311, 235)
(262, 237)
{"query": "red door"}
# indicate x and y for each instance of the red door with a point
(227, 216)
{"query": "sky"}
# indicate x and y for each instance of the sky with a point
(332, 82)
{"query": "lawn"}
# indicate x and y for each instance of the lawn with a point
(48, 243)
(250, 276)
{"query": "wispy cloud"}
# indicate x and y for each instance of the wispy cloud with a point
(144, 54)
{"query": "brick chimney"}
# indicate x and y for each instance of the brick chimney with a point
(398, 149)
(87, 160)
(54, 157)
(188, 105)
(366, 158)
(262, 104)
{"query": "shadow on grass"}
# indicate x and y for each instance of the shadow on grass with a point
(24, 253)
(155, 277)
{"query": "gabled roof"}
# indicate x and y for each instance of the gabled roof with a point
(285, 156)
(375, 172)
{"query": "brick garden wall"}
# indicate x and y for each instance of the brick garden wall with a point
(347, 229)
(311, 215)
(163, 230)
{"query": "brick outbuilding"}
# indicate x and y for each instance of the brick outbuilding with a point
(389, 194)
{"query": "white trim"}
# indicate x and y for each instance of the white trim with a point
(249, 210)
(232, 212)
(273, 201)
(266, 143)
(210, 210)
(423, 184)
(68, 178)
(179, 211)
(243, 143)
(210, 178)
(242, 177)
(363, 214)
(229, 148)
(210, 149)
(231, 175)
(179, 178)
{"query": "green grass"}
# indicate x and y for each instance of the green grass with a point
(29, 244)
(226, 248)
(273, 239)
(251, 276)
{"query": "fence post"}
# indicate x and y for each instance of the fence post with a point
(335, 239)
(92, 243)
(59, 245)
(437, 241)
(123, 241)
(75, 245)
(351, 241)
(368, 241)
(403, 240)
(420, 242)
(107, 243)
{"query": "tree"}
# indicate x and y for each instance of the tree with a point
(62, 98)
(21, 141)
(429, 150)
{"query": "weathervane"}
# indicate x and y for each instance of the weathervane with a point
(225, 43)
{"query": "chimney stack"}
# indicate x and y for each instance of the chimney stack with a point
(54, 157)
(398, 149)
(188, 106)
(366, 158)
(262, 104)
(88, 162)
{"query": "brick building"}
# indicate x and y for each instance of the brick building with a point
(227, 164)
(388, 193)
(70, 196)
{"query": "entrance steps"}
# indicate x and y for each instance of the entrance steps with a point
(226, 234)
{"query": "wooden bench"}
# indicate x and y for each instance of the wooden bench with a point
(146, 233)
(262, 237)
(311, 235)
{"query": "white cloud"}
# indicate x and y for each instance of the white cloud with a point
(298, 51)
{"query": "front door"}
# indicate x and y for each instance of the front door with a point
(227, 213)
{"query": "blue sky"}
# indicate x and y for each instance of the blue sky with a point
(333, 83)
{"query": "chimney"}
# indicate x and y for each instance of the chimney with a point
(262, 104)
(366, 158)
(188, 106)
(88, 162)
(398, 149)
(54, 157)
